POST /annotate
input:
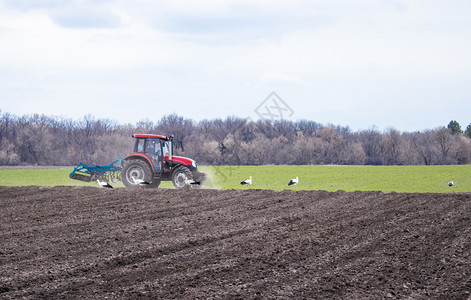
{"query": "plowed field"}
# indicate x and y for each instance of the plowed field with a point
(85, 242)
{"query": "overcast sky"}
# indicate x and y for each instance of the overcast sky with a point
(356, 63)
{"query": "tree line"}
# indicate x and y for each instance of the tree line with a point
(57, 141)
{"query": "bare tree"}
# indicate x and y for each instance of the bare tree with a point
(372, 145)
(423, 144)
(392, 141)
(443, 142)
(180, 127)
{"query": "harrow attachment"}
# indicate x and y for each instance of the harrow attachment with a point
(108, 173)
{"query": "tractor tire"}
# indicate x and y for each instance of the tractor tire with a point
(137, 169)
(179, 175)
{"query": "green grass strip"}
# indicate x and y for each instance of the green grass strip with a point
(417, 179)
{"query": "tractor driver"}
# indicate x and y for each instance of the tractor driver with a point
(154, 152)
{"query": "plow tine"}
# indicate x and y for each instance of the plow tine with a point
(81, 177)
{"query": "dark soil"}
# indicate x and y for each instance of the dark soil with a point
(84, 242)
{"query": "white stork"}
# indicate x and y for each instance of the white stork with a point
(139, 181)
(293, 181)
(104, 184)
(247, 181)
(192, 182)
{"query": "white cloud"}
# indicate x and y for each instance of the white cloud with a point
(276, 78)
(330, 51)
(84, 17)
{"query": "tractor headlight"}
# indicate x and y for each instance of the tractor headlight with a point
(193, 163)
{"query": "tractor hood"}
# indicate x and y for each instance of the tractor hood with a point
(183, 160)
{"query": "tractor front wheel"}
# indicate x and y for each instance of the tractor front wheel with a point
(136, 169)
(179, 176)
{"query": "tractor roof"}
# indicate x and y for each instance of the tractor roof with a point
(150, 136)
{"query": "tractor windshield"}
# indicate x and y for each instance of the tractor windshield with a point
(153, 147)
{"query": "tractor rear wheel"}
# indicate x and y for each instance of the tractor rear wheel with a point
(136, 169)
(179, 175)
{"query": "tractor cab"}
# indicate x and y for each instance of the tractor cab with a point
(158, 149)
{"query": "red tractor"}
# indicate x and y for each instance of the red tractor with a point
(151, 162)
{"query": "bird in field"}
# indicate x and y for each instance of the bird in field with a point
(104, 184)
(293, 181)
(192, 182)
(451, 183)
(139, 181)
(247, 181)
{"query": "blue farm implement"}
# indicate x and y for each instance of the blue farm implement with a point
(109, 173)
